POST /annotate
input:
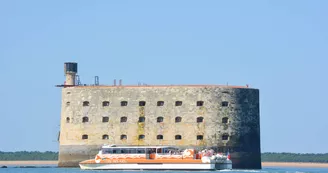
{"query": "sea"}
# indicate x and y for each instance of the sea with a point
(77, 170)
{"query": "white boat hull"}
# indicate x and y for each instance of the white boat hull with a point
(157, 166)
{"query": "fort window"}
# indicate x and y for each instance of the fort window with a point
(124, 103)
(178, 137)
(225, 120)
(160, 103)
(141, 137)
(178, 119)
(225, 137)
(142, 103)
(84, 136)
(199, 137)
(160, 119)
(200, 103)
(105, 137)
(68, 103)
(105, 119)
(85, 103)
(200, 119)
(68, 120)
(85, 119)
(124, 119)
(225, 104)
(68, 93)
(141, 119)
(178, 103)
(159, 136)
(105, 103)
(124, 137)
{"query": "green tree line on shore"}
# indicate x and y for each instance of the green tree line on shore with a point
(266, 157)
(29, 155)
(295, 157)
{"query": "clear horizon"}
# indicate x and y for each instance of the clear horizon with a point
(279, 47)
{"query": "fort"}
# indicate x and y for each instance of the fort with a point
(222, 117)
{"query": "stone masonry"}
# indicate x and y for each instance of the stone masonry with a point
(224, 118)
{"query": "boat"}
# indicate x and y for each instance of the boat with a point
(112, 157)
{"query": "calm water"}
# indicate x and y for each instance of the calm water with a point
(76, 170)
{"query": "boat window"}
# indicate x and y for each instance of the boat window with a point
(124, 150)
(116, 150)
(132, 150)
(159, 150)
(107, 151)
(140, 150)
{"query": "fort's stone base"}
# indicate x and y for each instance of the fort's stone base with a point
(71, 155)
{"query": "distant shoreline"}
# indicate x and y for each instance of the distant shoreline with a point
(264, 164)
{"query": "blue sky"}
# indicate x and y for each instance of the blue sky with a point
(278, 46)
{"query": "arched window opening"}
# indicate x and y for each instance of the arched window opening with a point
(68, 120)
(85, 119)
(85, 103)
(84, 136)
(178, 119)
(68, 103)
(124, 119)
(178, 103)
(225, 104)
(159, 136)
(225, 120)
(124, 103)
(141, 119)
(199, 137)
(160, 119)
(178, 137)
(141, 137)
(105, 137)
(200, 103)
(142, 103)
(160, 103)
(225, 137)
(200, 119)
(105, 103)
(124, 137)
(105, 119)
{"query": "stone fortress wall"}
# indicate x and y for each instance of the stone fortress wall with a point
(222, 117)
